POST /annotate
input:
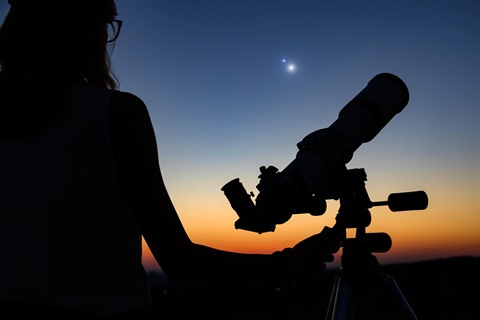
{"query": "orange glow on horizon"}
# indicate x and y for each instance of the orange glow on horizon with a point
(416, 235)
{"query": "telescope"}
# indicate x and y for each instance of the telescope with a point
(319, 172)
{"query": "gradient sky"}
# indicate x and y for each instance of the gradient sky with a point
(223, 103)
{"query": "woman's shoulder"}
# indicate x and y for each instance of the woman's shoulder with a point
(127, 113)
(126, 100)
(127, 104)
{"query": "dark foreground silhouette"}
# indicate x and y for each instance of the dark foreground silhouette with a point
(436, 289)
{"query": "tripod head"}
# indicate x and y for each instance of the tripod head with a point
(354, 211)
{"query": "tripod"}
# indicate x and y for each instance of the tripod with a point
(360, 274)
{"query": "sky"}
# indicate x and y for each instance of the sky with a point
(234, 85)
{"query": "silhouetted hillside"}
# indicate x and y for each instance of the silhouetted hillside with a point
(444, 289)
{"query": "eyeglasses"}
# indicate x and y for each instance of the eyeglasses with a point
(113, 30)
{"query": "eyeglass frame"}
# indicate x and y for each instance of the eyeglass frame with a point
(117, 33)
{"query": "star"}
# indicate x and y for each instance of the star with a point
(290, 67)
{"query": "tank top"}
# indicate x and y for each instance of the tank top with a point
(65, 238)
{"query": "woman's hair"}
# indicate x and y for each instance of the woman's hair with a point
(45, 46)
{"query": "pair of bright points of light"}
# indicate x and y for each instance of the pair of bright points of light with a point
(290, 67)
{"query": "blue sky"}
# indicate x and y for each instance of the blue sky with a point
(223, 103)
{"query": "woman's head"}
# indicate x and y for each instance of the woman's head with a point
(45, 46)
(59, 40)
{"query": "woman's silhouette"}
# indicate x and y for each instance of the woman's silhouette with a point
(80, 182)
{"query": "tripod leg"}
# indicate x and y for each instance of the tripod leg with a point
(331, 303)
(400, 298)
(340, 300)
